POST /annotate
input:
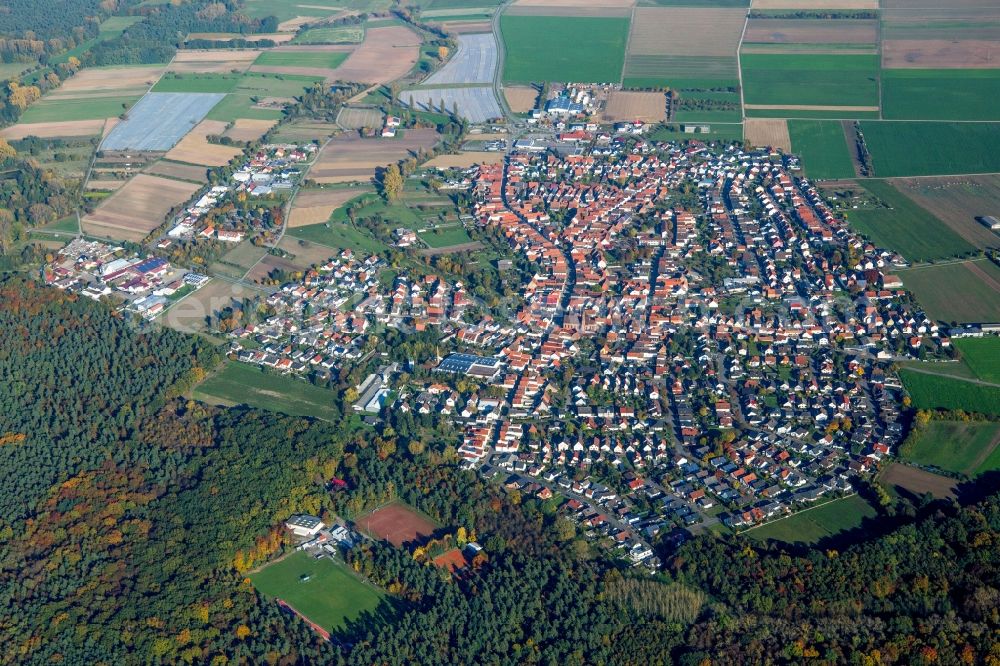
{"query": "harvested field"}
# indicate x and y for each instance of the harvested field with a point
(105, 79)
(686, 31)
(197, 174)
(106, 185)
(768, 132)
(195, 148)
(474, 62)
(352, 118)
(918, 482)
(465, 160)
(261, 271)
(940, 54)
(396, 523)
(305, 253)
(649, 107)
(137, 208)
(815, 4)
(386, 54)
(53, 129)
(520, 99)
(212, 61)
(350, 158)
(958, 201)
(159, 120)
(315, 206)
(246, 129)
(477, 104)
(811, 31)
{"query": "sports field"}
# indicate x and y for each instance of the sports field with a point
(964, 447)
(550, 48)
(834, 80)
(940, 94)
(324, 591)
(967, 291)
(903, 226)
(397, 523)
(932, 148)
(822, 147)
(939, 392)
(239, 383)
(814, 524)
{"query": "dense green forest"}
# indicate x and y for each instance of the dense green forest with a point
(29, 28)
(31, 196)
(132, 516)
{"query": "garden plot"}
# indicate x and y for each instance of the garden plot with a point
(196, 149)
(159, 120)
(474, 62)
(386, 54)
(350, 157)
(137, 208)
(476, 104)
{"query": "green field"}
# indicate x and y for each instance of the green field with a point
(834, 80)
(446, 237)
(11, 69)
(55, 109)
(339, 236)
(289, 9)
(823, 148)
(964, 447)
(653, 71)
(940, 94)
(197, 83)
(932, 148)
(905, 227)
(113, 26)
(938, 392)
(719, 132)
(326, 59)
(694, 3)
(551, 48)
(239, 383)
(812, 525)
(954, 292)
(235, 105)
(332, 596)
(343, 34)
(982, 355)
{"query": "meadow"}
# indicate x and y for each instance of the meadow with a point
(197, 83)
(551, 48)
(958, 291)
(239, 383)
(982, 355)
(833, 80)
(341, 34)
(65, 109)
(812, 525)
(940, 94)
(939, 392)
(327, 59)
(823, 148)
(963, 447)
(446, 237)
(325, 591)
(340, 236)
(932, 148)
(905, 227)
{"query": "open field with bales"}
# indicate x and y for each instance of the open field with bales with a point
(929, 391)
(396, 523)
(978, 282)
(350, 157)
(814, 524)
(316, 206)
(823, 148)
(958, 202)
(195, 148)
(239, 383)
(137, 208)
(386, 54)
(935, 148)
(547, 48)
(323, 591)
(963, 447)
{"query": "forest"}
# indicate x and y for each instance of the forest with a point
(29, 27)
(31, 196)
(133, 514)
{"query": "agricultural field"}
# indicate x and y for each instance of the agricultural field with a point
(548, 48)
(904, 227)
(316, 206)
(358, 118)
(475, 61)
(340, 34)
(304, 129)
(396, 523)
(827, 33)
(464, 160)
(324, 591)
(51, 130)
(940, 94)
(670, 43)
(196, 83)
(916, 482)
(810, 80)
(823, 148)
(213, 61)
(129, 80)
(476, 104)
(978, 283)
(304, 254)
(159, 120)
(387, 53)
(190, 314)
(195, 148)
(239, 383)
(308, 63)
(249, 130)
(178, 171)
(982, 356)
(707, 104)
(350, 157)
(339, 236)
(236, 262)
(958, 202)
(963, 447)
(808, 4)
(137, 208)
(521, 99)
(815, 524)
(767, 132)
(932, 148)
(63, 109)
(624, 106)
(928, 391)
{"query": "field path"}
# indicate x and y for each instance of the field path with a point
(628, 45)
(501, 56)
(983, 275)
(739, 65)
(985, 453)
(925, 371)
(291, 200)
